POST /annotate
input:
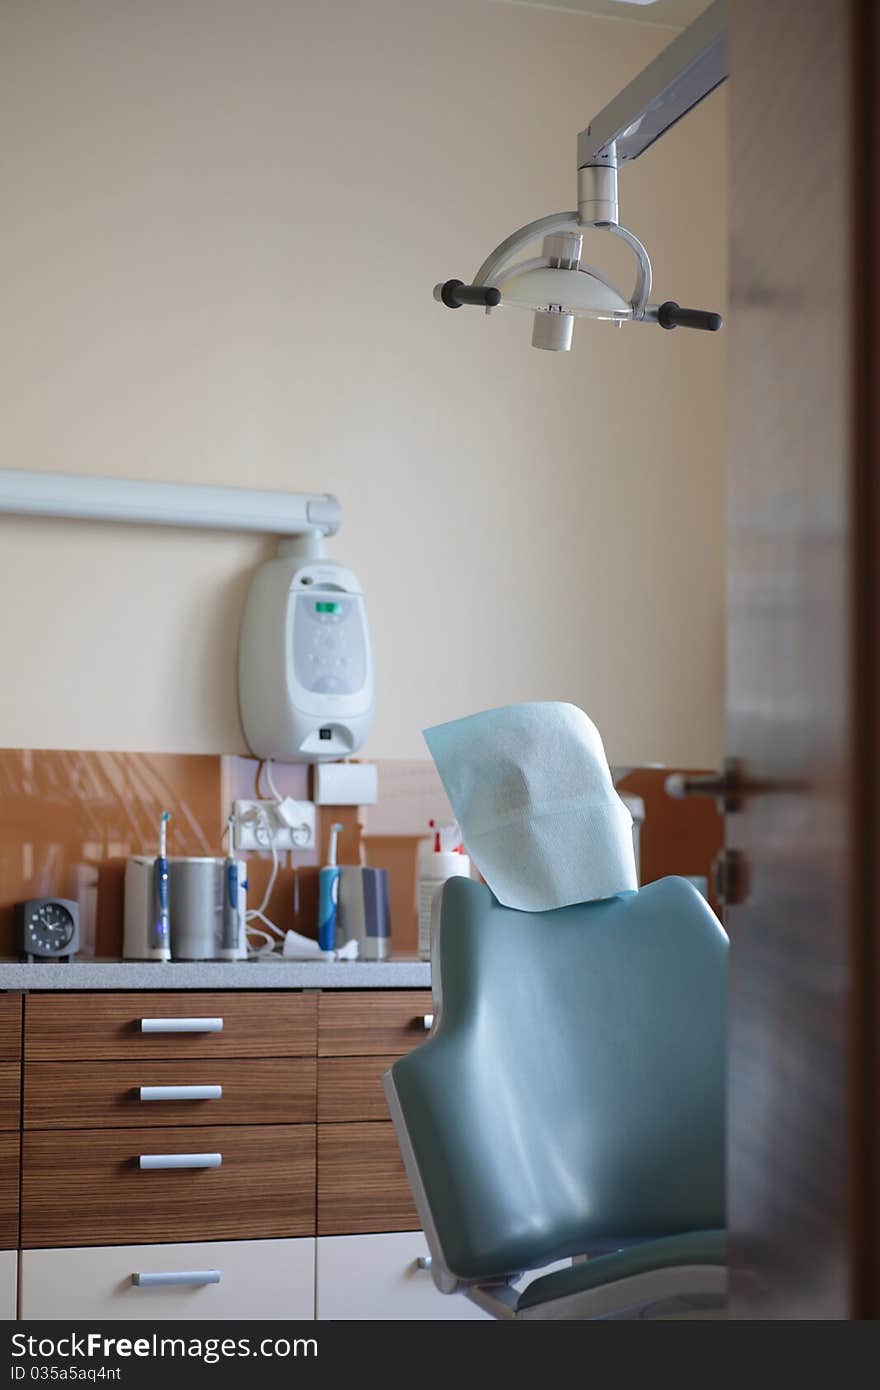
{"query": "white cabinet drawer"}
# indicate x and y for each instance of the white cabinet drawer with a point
(377, 1278)
(8, 1284)
(244, 1279)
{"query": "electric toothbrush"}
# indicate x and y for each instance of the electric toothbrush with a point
(229, 943)
(328, 894)
(160, 946)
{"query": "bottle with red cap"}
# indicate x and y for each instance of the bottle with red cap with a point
(443, 859)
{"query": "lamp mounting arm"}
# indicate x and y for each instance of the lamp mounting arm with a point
(678, 79)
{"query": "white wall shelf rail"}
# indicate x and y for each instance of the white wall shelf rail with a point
(26, 493)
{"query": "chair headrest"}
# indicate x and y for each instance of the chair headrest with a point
(532, 792)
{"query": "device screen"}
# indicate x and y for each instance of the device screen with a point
(329, 645)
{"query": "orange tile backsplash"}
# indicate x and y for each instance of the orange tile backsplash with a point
(70, 820)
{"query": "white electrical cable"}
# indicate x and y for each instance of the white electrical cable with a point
(259, 911)
(269, 930)
(258, 914)
(268, 947)
(271, 780)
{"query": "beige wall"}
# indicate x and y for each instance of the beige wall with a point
(222, 221)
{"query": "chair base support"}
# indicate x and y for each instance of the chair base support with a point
(681, 1291)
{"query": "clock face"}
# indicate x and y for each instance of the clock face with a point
(50, 928)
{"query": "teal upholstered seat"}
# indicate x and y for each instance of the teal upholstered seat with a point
(571, 1096)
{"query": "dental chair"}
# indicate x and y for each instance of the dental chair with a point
(569, 1103)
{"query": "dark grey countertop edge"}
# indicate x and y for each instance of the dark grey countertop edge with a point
(210, 975)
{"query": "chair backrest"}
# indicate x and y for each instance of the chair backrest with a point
(571, 1096)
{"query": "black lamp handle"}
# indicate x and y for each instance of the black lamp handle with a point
(671, 315)
(454, 293)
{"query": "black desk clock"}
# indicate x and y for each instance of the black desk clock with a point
(47, 929)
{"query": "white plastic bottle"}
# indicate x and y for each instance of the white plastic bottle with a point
(435, 867)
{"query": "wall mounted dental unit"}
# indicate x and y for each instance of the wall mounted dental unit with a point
(305, 669)
(557, 286)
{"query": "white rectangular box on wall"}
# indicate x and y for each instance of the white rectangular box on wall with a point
(346, 784)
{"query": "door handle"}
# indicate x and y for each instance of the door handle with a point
(181, 1025)
(728, 785)
(173, 1277)
(180, 1092)
(180, 1160)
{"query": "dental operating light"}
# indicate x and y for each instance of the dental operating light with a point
(556, 285)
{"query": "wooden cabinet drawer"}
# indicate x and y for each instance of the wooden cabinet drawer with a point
(373, 1023)
(362, 1185)
(258, 1279)
(91, 1095)
(10, 1026)
(10, 1095)
(9, 1156)
(85, 1187)
(91, 1027)
(350, 1088)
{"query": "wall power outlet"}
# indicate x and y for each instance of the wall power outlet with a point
(260, 824)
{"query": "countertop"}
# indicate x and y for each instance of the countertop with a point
(400, 973)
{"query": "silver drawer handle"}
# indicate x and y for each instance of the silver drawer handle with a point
(181, 1025)
(427, 1022)
(181, 1092)
(424, 1262)
(176, 1276)
(180, 1160)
